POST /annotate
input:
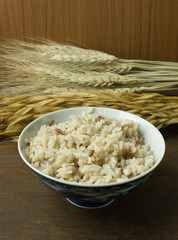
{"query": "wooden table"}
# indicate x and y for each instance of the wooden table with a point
(29, 210)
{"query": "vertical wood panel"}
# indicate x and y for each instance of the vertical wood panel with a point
(164, 30)
(143, 29)
(34, 18)
(11, 19)
(60, 22)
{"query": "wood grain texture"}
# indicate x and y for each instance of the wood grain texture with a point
(142, 29)
(31, 211)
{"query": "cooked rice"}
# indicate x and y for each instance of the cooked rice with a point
(90, 149)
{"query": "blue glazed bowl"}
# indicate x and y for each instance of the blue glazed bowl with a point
(93, 195)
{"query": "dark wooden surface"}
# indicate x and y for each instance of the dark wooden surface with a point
(30, 211)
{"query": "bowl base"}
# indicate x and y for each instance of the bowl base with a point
(89, 205)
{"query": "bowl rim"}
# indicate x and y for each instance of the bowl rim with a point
(84, 185)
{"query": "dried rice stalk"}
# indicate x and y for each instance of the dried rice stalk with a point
(16, 112)
(36, 68)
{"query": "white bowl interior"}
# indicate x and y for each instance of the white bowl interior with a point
(151, 134)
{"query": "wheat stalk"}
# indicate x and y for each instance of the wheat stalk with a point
(55, 52)
(36, 68)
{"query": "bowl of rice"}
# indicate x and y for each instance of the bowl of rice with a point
(91, 155)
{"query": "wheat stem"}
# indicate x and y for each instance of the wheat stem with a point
(36, 68)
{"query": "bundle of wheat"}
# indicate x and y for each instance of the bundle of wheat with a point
(45, 67)
(46, 76)
(16, 112)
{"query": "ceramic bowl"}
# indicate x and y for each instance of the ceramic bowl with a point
(92, 195)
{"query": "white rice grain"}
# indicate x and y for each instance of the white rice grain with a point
(90, 149)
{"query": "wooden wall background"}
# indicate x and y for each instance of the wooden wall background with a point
(142, 29)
